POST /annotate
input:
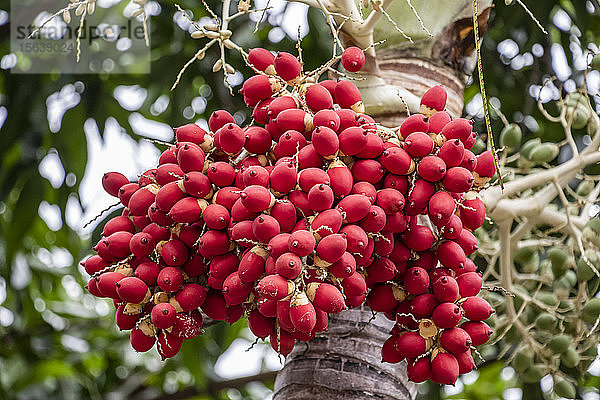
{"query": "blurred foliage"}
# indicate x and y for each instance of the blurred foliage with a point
(57, 341)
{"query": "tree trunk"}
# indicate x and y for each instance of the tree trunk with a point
(345, 361)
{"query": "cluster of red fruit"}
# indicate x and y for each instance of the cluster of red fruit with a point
(312, 209)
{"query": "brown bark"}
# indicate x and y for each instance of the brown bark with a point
(344, 363)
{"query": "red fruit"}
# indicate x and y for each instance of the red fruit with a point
(141, 244)
(147, 177)
(438, 120)
(260, 325)
(139, 341)
(190, 157)
(355, 207)
(419, 370)
(390, 200)
(431, 168)
(107, 284)
(348, 96)
(260, 115)
(265, 227)
(267, 307)
(410, 345)
(452, 152)
(174, 252)
(472, 213)
(326, 297)
(318, 98)
(354, 285)
(353, 59)
(416, 280)
(194, 266)
(469, 161)
(414, 123)
(469, 284)
(440, 208)
(446, 315)
(278, 245)
(261, 59)
(257, 198)
(168, 345)
(398, 182)
(459, 128)
(341, 178)
(373, 148)
(384, 245)
(163, 315)
(169, 194)
(116, 224)
(187, 326)
(451, 255)
(302, 313)
(418, 144)
(389, 353)
(423, 305)
(118, 244)
(356, 238)
(444, 369)
(289, 144)
(325, 142)
(94, 264)
(327, 222)
(329, 84)
(189, 133)
(455, 340)
(113, 181)
(285, 213)
(348, 118)
(381, 270)
(252, 264)
(467, 241)
(445, 289)
(353, 140)
(397, 161)
(283, 178)
(468, 267)
(258, 87)
(215, 216)
(403, 317)
(301, 243)
(218, 119)
(241, 232)
(282, 342)
(280, 104)
(382, 298)
(328, 118)
(213, 243)
(479, 332)
(197, 184)
(466, 363)
(419, 196)
(485, 164)
(131, 289)
(141, 200)
(274, 287)
(320, 197)
(322, 321)
(434, 99)
(170, 279)
(458, 180)
(214, 305)
(235, 291)
(287, 66)
(476, 309)
(344, 267)
(375, 220)
(258, 140)
(365, 188)
(125, 321)
(288, 265)
(221, 174)
(331, 248)
(308, 157)
(418, 238)
(148, 272)
(168, 173)
(452, 228)
(191, 297)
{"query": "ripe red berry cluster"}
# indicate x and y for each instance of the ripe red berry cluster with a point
(302, 214)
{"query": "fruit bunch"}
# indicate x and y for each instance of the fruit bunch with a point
(311, 209)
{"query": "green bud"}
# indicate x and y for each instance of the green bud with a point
(586, 266)
(558, 257)
(534, 373)
(591, 310)
(570, 358)
(596, 62)
(560, 344)
(479, 147)
(584, 188)
(591, 231)
(564, 389)
(511, 136)
(544, 153)
(548, 298)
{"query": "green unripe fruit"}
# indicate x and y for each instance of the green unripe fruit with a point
(595, 61)
(591, 311)
(571, 276)
(584, 188)
(548, 298)
(528, 147)
(511, 136)
(544, 153)
(570, 358)
(564, 389)
(591, 231)
(546, 322)
(513, 336)
(523, 359)
(586, 266)
(558, 258)
(560, 344)
(534, 373)
(497, 301)
(479, 147)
